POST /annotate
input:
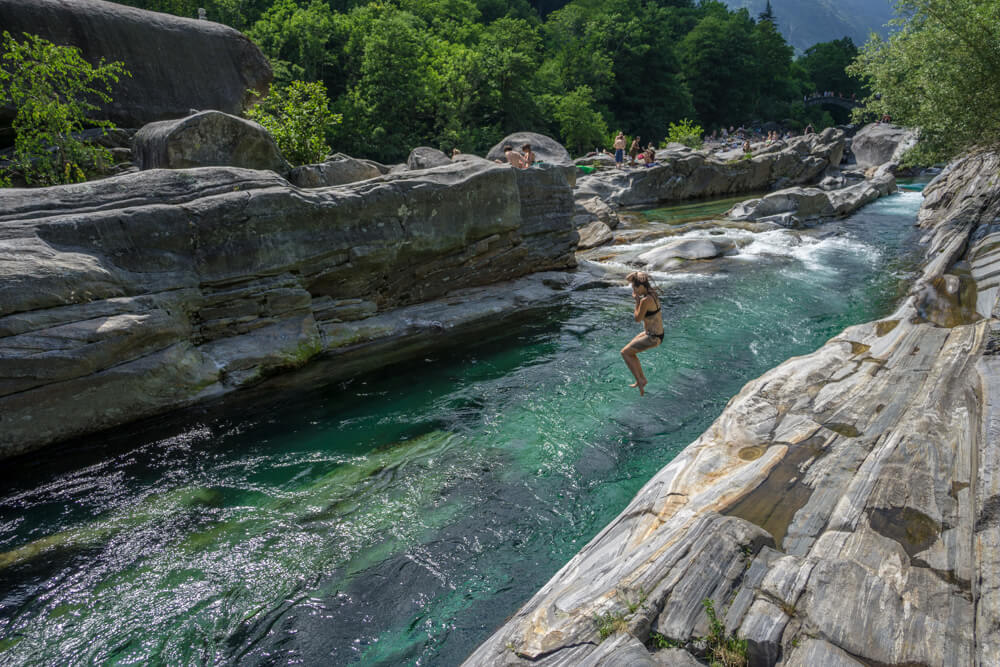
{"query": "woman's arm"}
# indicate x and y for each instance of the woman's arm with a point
(641, 306)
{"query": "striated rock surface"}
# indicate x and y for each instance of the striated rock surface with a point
(795, 207)
(844, 509)
(878, 143)
(198, 64)
(207, 139)
(132, 295)
(689, 174)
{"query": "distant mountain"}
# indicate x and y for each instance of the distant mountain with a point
(806, 22)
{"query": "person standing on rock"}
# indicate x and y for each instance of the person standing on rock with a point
(619, 150)
(647, 311)
(634, 150)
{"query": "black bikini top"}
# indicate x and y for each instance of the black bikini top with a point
(653, 312)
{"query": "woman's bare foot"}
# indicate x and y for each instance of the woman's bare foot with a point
(641, 386)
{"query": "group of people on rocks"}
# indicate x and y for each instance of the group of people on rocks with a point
(519, 160)
(636, 153)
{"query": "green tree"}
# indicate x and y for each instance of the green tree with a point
(298, 117)
(54, 91)
(826, 65)
(296, 39)
(580, 125)
(939, 71)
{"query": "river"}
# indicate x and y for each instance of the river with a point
(400, 517)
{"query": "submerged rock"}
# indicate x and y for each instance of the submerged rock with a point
(207, 139)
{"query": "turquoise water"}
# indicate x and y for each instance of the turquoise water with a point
(399, 518)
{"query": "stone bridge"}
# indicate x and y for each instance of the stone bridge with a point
(842, 102)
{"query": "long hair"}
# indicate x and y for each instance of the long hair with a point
(637, 278)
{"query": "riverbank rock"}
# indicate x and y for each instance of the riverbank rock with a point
(339, 169)
(878, 143)
(796, 207)
(199, 64)
(672, 254)
(133, 295)
(841, 510)
(424, 157)
(546, 149)
(687, 174)
(207, 139)
(594, 234)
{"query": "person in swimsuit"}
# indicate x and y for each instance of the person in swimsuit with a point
(647, 311)
(619, 150)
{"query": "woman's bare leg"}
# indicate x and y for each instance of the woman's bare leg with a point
(630, 355)
(632, 361)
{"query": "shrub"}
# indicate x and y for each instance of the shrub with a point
(298, 117)
(53, 90)
(686, 132)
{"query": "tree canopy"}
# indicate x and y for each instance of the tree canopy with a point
(464, 73)
(939, 71)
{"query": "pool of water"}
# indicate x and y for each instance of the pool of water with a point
(399, 518)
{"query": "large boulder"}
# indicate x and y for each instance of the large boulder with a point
(338, 170)
(879, 143)
(177, 64)
(424, 157)
(546, 149)
(206, 139)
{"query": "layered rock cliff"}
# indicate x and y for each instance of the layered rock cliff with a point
(133, 295)
(843, 510)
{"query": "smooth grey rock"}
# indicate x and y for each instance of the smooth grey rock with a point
(878, 143)
(424, 157)
(137, 294)
(207, 139)
(794, 206)
(546, 149)
(590, 209)
(682, 175)
(340, 170)
(664, 257)
(177, 64)
(595, 234)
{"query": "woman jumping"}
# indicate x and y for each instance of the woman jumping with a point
(647, 311)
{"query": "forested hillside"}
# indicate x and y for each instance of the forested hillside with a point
(463, 73)
(807, 22)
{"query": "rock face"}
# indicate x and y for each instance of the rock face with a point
(340, 169)
(546, 149)
(200, 64)
(795, 207)
(207, 139)
(423, 157)
(133, 295)
(878, 143)
(688, 174)
(844, 507)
